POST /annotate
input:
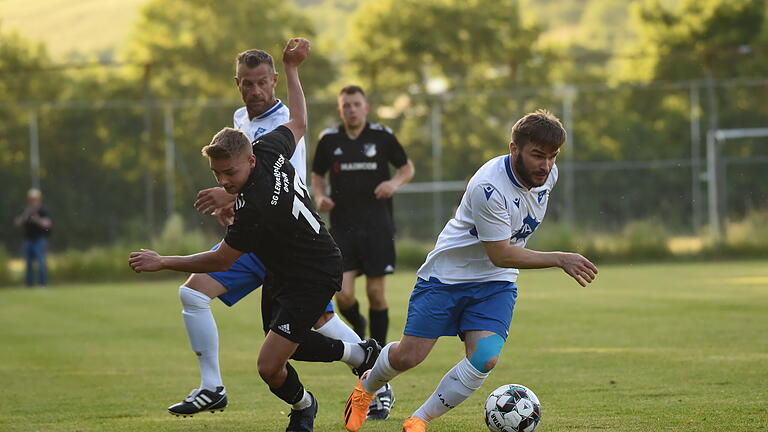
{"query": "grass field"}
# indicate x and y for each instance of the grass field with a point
(679, 347)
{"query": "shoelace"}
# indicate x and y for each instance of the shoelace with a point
(192, 395)
(359, 402)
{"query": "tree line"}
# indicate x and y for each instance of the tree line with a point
(483, 62)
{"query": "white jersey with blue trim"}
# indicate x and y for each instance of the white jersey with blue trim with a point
(495, 206)
(267, 122)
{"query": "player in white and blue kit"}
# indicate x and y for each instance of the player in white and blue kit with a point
(256, 79)
(467, 286)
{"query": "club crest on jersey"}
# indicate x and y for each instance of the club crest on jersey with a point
(239, 202)
(369, 149)
(542, 196)
(529, 226)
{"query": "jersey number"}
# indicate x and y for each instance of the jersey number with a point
(300, 208)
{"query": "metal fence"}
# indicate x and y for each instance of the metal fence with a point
(640, 163)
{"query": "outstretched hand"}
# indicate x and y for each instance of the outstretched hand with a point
(295, 52)
(579, 268)
(145, 260)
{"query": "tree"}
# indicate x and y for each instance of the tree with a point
(25, 77)
(400, 49)
(191, 45)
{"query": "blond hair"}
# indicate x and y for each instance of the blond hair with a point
(227, 143)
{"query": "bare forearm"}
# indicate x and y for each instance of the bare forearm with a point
(203, 262)
(404, 174)
(522, 258)
(296, 102)
(318, 185)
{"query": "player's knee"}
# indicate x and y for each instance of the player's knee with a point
(269, 370)
(491, 363)
(345, 300)
(377, 301)
(324, 318)
(487, 352)
(193, 300)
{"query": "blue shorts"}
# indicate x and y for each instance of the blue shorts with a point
(437, 309)
(245, 275)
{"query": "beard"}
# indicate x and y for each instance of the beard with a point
(525, 173)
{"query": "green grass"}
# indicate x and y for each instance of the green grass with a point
(680, 347)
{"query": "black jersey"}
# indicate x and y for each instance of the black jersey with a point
(275, 218)
(33, 230)
(356, 167)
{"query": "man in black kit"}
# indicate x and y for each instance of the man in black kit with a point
(358, 154)
(275, 219)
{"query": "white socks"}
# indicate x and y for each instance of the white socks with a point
(353, 355)
(335, 328)
(381, 373)
(304, 403)
(203, 335)
(455, 387)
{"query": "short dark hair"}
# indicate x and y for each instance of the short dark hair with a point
(351, 89)
(227, 143)
(255, 57)
(540, 127)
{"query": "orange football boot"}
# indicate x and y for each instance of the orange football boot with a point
(414, 424)
(356, 410)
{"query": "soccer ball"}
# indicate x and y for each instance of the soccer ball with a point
(512, 408)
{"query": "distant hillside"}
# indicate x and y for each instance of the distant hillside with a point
(103, 26)
(67, 26)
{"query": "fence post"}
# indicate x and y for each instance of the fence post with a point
(34, 149)
(437, 163)
(170, 158)
(713, 174)
(696, 177)
(568, 94)
(713, 162)
(149, 187)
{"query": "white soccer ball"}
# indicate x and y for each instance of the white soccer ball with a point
(512, 408)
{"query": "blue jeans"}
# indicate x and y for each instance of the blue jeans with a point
(34, 251)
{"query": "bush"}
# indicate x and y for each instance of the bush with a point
(176, 240)
(748, 236)
(560, 236)
(5, 270)
(110, 263)
(100, 263)
(643, 239)
(411, 253)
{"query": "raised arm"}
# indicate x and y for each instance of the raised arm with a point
(294, 54)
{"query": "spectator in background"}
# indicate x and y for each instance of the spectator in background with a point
(37, 226)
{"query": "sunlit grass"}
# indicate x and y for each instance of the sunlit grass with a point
(679, 347)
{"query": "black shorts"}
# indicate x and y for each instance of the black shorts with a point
(291, 308)
(370, 250)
